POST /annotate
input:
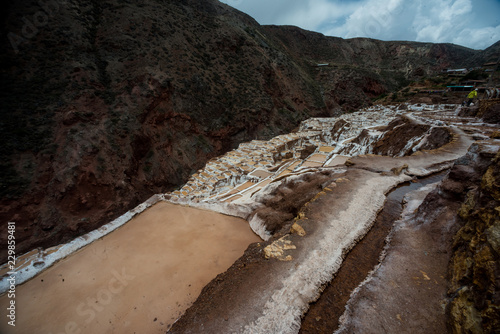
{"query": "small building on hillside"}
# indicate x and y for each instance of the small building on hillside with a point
(460, 88)
(474, 83)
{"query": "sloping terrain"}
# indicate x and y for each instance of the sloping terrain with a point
(409, 291)
(105, 103)
(290, 270)
(355, 70)
(312, 195)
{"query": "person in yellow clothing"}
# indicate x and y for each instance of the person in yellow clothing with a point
(472, 95)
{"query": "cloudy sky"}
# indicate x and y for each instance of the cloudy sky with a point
(471, 23)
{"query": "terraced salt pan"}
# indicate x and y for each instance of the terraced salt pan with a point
(336, 160)
(258, 160)
(138, 279)
(40, 260)
(254, 162)
(340, 231)
(238, 175)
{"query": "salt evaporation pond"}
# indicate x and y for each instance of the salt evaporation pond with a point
(138, 279)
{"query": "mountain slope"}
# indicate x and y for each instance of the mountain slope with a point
(488, 55)
(361, 68)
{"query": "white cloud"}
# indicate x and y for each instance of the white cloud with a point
(437, 21)
(452, 22)
(308, 14)
(316, 13)
(459, 7)
(443, 19)
(373, 19)
(465, 22)
(479, 38)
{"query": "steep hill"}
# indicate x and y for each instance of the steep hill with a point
(411, 57)
(488, 55)
(105, 103)
(356, 70)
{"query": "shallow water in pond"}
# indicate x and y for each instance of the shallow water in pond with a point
(137, 279)
(323, 315)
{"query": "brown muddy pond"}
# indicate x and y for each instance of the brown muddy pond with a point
(138, 279)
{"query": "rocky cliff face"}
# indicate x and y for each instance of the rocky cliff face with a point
(106, 102)
(474, 268)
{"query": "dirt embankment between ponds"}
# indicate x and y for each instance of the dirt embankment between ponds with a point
(269, 289)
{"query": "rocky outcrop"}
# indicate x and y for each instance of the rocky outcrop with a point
(408, 58)
(488, 55)
(491, 112)
(403, 136)
(281, 205)
(475, 267)
(487, 110)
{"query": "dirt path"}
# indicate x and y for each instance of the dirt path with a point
(138, 279)
(323, 315)
(407, 292)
